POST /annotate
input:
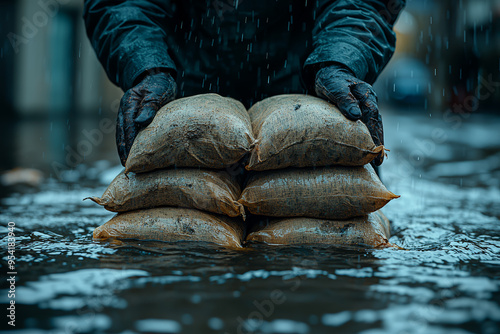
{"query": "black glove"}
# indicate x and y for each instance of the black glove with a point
(138, 107)
(354, 98)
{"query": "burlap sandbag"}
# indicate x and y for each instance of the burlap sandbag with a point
(327, 192)
(306, 131)
(209, 190)
(173, 224)
(367, 231)
(199, 131)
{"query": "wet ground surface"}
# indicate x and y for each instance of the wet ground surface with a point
(447, 172)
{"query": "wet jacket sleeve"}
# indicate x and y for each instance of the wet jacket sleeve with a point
(128, 36)
(355, 33)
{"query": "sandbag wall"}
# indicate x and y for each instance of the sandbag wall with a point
(312, 178)
(309, 176)
(174, 186)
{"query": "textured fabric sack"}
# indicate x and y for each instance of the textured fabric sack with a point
(173, 224)
(209, 190)
(367, 231)
(306, 131)
(205, 130)
(328, 192)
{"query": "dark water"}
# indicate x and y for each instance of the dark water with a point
(446, 171)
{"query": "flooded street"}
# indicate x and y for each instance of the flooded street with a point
(445, 167)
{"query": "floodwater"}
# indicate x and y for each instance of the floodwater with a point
(446, 169)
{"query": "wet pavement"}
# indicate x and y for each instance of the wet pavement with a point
(447, 171)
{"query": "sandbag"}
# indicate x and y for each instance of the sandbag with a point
(372, 230)
(205, 130)
(209, 190)
(173, 224)
(306, 131)
(327, 192)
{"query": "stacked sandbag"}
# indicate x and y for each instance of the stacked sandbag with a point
(207, 131)
(171, 189)
(305, 131)
(371, 230)
(335, 192)
(173, 224)
(311, 163)
(203, 189)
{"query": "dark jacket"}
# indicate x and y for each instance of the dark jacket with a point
(247, 49)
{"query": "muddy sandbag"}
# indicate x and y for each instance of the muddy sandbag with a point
(335, 192)
(372, 230)
(306, 131)
(173, 224)
(205, 130)
(209, 190)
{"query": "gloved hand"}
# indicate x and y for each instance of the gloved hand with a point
(138, 107)
(355, 99)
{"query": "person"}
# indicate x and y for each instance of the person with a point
(156, 50)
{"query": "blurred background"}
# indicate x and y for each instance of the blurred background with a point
(53, 92)
(58, 105)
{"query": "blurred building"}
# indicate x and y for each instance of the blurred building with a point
(49, 67)
(52, 81)
(448, 52)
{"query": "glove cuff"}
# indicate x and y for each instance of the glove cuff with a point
(339, 52)
(154, 71)
(140, 62)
